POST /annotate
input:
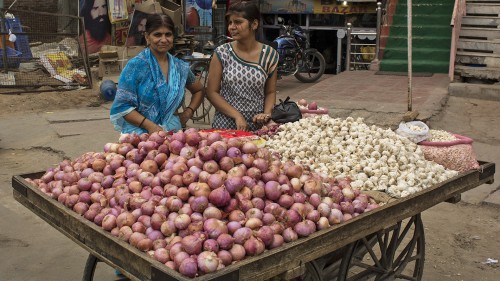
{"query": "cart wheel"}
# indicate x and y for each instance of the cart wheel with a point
(396, 253)
(88, 272)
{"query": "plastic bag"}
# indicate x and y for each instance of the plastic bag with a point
(455, 155)
(416, 131)
(286, 111)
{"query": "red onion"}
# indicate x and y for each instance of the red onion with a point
(286, 201)
(232, 226)
(311, 187)
(109, 222)
(212, 212)
(266, 234)
(206, 153)
(168, 228)
(225, 257)
(237, 252)
(260, 164)
(322, 223)
(225, 241)
(268, 219)
(219, 197)
(155, 235)
(324, 209)
(215, 181)
(208, 262)
(335, 217)
(81, 208)
(192, 245)
(136, 237)
(254, 246)
(161, 255)
(253, 223)
(272, 190)
(276, 241)
(213, 137)
(188, 152)
(241, 235)
(290, 235)
(214, 227)
(182, 221)
(313, 216)
(211, 245)
(199, 204)
(347, 217)
(249, 148)
(254, 173)
(348, 193)
(233, 184)
(258, 203)
(347, 207)
(189, 267)
(174, 203)
(210, 166)
(193, 138)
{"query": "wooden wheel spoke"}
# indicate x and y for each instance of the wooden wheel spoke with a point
(372, 253)
(405, 231)
(405, 253)
(393, 244)
(372, 268)
(383, 248)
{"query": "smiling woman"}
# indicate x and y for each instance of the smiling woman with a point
(242, 77)
(151, 86)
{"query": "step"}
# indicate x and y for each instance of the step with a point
(420, 41)
(475, 58)
(418, 66)
(476, 91)
(434, 30)
(479, 45)
(402, 19)
(483, 9)
(480, 33)
(418, 53)
(481, 72)
(445, 9)
(478, 21)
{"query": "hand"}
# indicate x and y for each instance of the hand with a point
(185, 116)
(261, 118)
(241, 123)
(153, 127)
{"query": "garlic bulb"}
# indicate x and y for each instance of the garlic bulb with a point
(373, 157)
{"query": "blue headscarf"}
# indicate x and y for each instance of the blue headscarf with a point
(143, 87)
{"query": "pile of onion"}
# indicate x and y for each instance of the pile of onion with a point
(196, 202)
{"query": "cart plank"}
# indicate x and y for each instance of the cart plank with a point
(282, 260)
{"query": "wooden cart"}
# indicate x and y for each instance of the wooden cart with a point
(384, 244)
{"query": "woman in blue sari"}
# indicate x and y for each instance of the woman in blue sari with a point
(152, 85)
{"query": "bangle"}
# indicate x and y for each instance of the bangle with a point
(140, 124)
(190, 108)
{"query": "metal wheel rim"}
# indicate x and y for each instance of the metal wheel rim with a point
(311, 65)
(400, 254)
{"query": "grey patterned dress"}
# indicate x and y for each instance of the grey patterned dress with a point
(243, 84)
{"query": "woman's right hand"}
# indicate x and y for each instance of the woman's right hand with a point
(241, 123)
(153, 127)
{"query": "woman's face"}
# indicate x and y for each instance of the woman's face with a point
(240, 28)
(160, 40)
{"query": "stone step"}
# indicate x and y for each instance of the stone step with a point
(476, 91)
(478, 21)
(492, 46)
(486, 73)
(476, 58)
(480, 33)
(482, 8)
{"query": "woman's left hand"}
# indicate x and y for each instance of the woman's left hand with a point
(185, 116)
(261, 118)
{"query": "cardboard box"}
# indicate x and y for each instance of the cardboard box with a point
(169, 8)
(112, 60)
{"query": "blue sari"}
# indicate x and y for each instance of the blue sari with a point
(143, 87)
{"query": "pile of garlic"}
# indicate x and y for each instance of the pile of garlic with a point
(374, 158)
(440, 136)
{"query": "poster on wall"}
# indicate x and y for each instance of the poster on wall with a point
(136, 29)
(198, 13)
(117, 10)
(97, 24)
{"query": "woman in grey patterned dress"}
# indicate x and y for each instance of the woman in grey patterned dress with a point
(242, 77)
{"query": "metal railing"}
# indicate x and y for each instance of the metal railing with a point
(360, 55)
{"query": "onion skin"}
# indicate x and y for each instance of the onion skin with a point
(189, 267)
(207, 261)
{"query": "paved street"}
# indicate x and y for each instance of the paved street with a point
(50, 136)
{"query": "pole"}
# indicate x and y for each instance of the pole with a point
(410, 58)
(348, 48)
(379, 20)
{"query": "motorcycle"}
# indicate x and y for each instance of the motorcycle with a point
(306, 64)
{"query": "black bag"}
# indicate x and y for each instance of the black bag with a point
(286, 111)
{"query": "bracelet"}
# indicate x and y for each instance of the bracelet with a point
(190, 108)
(140, 125)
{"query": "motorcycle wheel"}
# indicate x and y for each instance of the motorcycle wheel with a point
(311, 67)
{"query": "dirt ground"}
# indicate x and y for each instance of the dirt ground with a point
(48, 101)
(459, 237)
